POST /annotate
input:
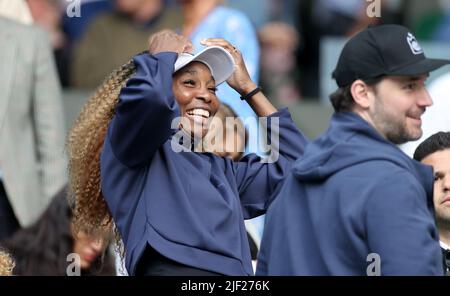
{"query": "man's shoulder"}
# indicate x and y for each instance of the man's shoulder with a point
(389, 177)
(377, 166)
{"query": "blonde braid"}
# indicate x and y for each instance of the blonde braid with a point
(84, 144)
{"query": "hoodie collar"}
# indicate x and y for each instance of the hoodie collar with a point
(351, 140)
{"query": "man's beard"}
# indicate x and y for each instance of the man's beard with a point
(391, 125)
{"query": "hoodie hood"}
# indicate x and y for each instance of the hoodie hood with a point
(350, 140)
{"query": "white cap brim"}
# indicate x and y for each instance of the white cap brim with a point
(216, 58)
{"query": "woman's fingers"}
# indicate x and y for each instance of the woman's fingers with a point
(240, 80)
(215, 40)
(188, 47)
(220, 42)
(235, 53)
(168, 40)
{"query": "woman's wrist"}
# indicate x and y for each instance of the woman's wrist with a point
(247, 88)
(249, 95)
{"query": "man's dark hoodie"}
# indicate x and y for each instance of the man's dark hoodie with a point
(354, 204)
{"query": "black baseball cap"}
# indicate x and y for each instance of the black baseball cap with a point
(390, 50)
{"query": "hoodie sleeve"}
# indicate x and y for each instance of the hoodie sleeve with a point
(259, 179)
(145, 110)
(401, 228)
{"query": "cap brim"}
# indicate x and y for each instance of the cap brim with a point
(420, 68)
(216, 58)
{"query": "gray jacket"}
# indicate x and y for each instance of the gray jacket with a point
(32, 162)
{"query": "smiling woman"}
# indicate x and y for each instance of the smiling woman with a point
(194, 87)
(177, 213)
(195, 90)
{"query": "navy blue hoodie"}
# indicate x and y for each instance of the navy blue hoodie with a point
(351, 197)
(190, 207)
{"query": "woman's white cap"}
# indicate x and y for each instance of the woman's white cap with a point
(216, 58)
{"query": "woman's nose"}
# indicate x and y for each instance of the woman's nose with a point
(205, 95)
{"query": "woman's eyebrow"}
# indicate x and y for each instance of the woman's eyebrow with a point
(194, 72)
(190, 71)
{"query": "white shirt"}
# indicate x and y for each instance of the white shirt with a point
(444, 246)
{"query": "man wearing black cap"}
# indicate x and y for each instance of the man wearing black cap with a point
(354, 203)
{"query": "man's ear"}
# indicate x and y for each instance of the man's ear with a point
(360, 93)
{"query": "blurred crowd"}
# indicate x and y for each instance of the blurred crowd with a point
(288, 33)
(88, 39)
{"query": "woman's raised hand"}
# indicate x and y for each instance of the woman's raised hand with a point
(168, 40)
(240, 80)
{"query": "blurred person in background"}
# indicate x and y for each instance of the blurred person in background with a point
(43, 248)
(17, 10)
(268, 10)
(279, 42)
(75, 27)
(442, 30)
(259, 16)
(319, 18)
(435, 151)
(114, 37)
(6, 264)
(47, 15)
(227, 135)
(32, 162)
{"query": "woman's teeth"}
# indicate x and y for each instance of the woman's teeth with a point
(198, 112)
